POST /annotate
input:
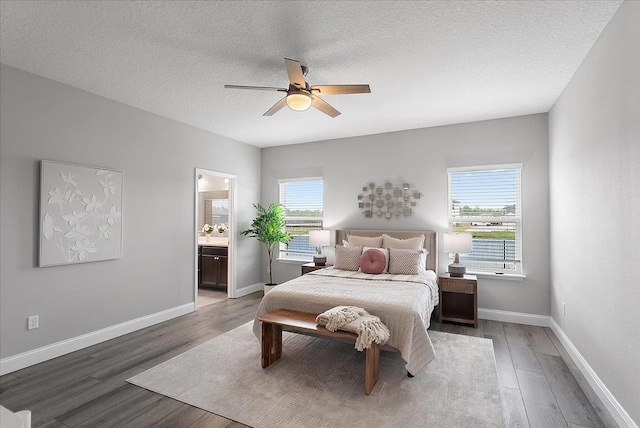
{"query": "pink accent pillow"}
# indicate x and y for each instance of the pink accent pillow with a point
(384, 251)
(373, 261)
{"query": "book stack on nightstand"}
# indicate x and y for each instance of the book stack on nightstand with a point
(310, 267)
(458, 299)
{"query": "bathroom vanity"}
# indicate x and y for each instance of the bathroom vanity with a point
(213, 264)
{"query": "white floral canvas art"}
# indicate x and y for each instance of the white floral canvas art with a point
(80, 214)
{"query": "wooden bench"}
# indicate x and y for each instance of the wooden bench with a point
(273, 323)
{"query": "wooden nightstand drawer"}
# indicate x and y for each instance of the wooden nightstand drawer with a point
(466, 287)
(458, 299)
(310, 267)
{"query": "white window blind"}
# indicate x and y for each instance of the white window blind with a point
(301, 200)
(486, 203)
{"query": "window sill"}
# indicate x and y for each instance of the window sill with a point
(504, 277)
(294, 261)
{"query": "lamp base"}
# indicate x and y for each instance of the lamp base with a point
(319, 260)
(457, 270)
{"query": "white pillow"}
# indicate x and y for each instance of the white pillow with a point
(423, 260)
(364, 241)
(383, 251)
(416, 243)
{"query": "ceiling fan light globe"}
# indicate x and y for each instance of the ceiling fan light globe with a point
(298, 101)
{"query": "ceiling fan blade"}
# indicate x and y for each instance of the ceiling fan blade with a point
(294, 70)
(340, 89)
(323, 106)
(257, 88)
(277, 106)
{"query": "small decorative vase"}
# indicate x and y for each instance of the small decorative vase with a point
(208, 237)
(220, 234)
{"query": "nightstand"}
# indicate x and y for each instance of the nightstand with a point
(458, 299)
(310, 267)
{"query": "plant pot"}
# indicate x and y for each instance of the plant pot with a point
(208, 237)
(269, 287)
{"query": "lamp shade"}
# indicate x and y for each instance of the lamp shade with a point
(457, 243)
(299, 101)
(319, 238)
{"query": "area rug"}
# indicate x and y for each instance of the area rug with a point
(319, 383)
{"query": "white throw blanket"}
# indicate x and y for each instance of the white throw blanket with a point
(353, 319)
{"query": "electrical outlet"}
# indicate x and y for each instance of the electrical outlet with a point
(32, 322)
(564, 309)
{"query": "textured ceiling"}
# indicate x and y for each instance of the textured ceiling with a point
(428, 63)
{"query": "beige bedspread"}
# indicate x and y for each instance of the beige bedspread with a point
(403, 302)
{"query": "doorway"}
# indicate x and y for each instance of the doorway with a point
(215, 251)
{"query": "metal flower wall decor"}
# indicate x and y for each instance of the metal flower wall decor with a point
(388, 200)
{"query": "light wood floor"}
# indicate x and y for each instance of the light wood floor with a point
(207, 296)
(540, 385)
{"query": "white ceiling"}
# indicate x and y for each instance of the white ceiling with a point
(428, 63)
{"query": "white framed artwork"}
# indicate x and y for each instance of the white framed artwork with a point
(80, 214)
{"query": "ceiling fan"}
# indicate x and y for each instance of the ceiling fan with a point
(300, 96)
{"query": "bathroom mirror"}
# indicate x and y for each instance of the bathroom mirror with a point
(216, 211)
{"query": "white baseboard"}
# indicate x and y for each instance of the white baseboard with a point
(35, 356)
(613, 406)
(249, 289)
(514, 317)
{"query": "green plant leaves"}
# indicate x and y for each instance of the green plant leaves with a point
(268, 228)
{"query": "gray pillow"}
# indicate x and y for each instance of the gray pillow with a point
(347, 258)
(404, 262)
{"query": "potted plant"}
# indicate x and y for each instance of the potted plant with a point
(220, 228)
(207, 229)
(268, 228)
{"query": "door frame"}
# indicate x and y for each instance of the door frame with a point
(231, 270)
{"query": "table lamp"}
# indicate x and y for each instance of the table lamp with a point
(457, 243)
(319, 238)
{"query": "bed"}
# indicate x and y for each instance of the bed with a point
(403, 302)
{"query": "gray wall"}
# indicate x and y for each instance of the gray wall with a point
(594, 154)
(43, 119)
(422, 157)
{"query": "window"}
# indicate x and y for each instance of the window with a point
(486, 202)
(302, 203)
